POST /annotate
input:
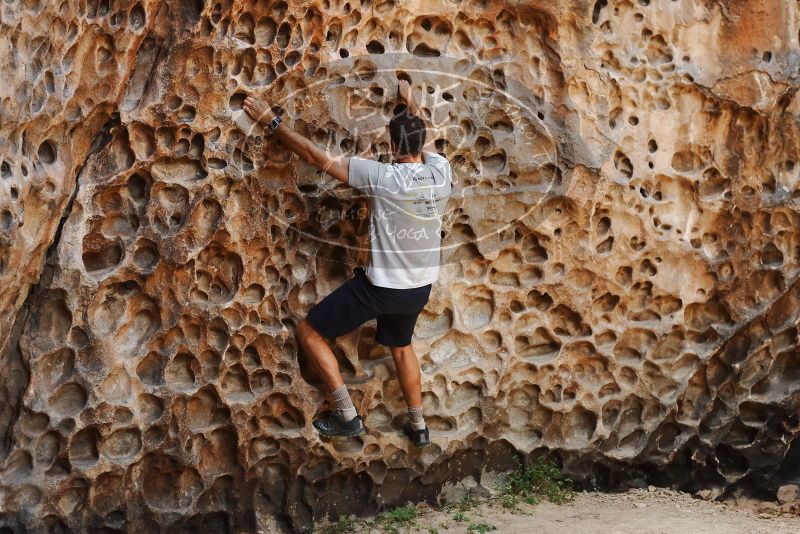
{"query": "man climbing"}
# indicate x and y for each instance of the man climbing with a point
(407, 200)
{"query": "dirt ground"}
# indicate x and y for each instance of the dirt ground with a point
(641, 511)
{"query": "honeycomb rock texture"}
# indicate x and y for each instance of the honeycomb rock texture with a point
(620, 267)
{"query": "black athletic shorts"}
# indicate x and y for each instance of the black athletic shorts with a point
(358, 300)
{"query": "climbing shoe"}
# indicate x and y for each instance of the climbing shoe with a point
(334, 426)
(420, 438)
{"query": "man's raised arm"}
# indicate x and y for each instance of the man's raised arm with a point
(336, 166)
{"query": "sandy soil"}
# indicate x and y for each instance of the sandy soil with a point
(654, 511)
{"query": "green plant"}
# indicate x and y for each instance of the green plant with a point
(343, 525)
(539, 479)
(467, 502)
(398, 517)
(460, 517)
(433, 530)
(482, 528)
(508, 500)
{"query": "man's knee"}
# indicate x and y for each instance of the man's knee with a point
(403, 352)
(306, 332)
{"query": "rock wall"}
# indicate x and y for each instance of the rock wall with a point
(620, 262)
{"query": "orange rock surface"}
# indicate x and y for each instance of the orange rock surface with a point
(620, 264)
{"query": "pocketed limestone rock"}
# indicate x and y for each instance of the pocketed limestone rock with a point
(619, 283)
(788, 494)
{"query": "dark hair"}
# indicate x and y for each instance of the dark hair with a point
(407, 132)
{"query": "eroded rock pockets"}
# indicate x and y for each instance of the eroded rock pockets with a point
(618, 283)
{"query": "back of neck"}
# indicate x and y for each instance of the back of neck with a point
(409, 159)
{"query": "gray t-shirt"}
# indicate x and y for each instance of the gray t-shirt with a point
(408, 201)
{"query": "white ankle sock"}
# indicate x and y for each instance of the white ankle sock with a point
(415, 418)
(344, 404)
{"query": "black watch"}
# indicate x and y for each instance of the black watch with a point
(274, 123)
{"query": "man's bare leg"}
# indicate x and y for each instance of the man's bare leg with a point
(325, 366)
(320, 356)
(407, 365)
